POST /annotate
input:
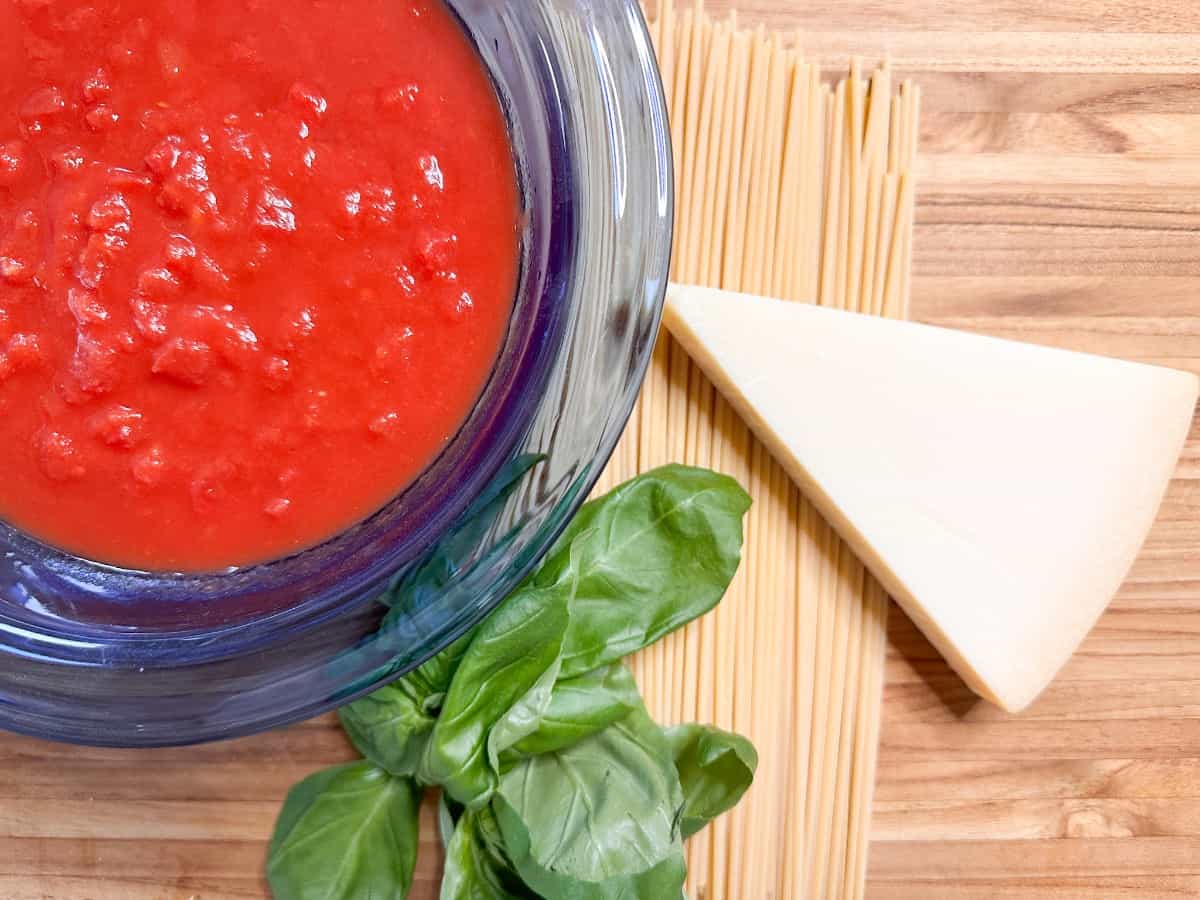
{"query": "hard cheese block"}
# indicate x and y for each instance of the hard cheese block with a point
(999, 491)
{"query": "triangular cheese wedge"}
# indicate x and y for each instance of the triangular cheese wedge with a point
(999, 491)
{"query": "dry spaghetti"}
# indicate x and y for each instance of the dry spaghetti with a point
(790, 187)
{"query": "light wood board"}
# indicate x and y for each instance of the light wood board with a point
(1059, 203)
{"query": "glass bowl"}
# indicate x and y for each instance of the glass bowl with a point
(98, 655)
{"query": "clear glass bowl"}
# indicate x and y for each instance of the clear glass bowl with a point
(98, 655)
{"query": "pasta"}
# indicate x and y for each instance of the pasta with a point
(789, 187)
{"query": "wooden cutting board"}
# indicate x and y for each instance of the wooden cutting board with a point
(1059, 203)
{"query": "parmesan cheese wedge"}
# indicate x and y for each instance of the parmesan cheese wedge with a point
(999, 491)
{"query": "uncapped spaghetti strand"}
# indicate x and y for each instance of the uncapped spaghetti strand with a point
(679, 73)
(792, 182)
(893, 300)
(834, 132)
(774, 660)
(856, 127)
(875, 142)
(811, 548)
(848, 704)
(750, 244)
(726, 451)
(770, 170)
(848, 152)
(815, 222)
(911, 147)
(807, 286)
(735, 220)
(894, 136)
(822, 654)
(750, 650)
(688, 204)
(883, 242)
(866, 738)
(834, 690)
(709, 150)
(727, 148)
(789, 202)
(866, 302)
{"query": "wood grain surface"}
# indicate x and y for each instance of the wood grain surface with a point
(1059, 203)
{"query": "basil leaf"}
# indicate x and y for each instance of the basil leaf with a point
(579, 707)
(524, 718)
(597, 820)
(491, 837)
(646, 559)
(432, 680)
(508, 658)
(472, 872)
(715, 769)
(347, 832)
(447, 820)
(390, 727)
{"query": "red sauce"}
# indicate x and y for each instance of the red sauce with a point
(256, 262)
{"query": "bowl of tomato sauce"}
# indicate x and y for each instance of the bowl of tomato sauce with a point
(317, 324)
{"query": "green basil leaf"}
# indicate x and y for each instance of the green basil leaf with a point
(644, 560)
(390, 727)
(524, 718)
(348, 832)
(715, 769)
(597, 820)
(508, 658)
(447, 819)
(432, 680)
(492, 838)
(578, 708)
(472, 872)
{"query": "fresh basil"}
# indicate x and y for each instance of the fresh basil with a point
(391, 727)
(556, 783)
(432, 680)
(596, 819)
(509, 656)
(645, 560)
(581, 706)
(523, 719)
(449, 813)
(346, 833)
(715, 769)
(473, 872)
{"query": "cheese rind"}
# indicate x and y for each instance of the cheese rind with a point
(999, 491)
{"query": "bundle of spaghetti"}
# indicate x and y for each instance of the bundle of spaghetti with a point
(788, 187)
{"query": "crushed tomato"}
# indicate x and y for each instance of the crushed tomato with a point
(256, 263)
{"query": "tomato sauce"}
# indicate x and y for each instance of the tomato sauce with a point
(257, 260)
